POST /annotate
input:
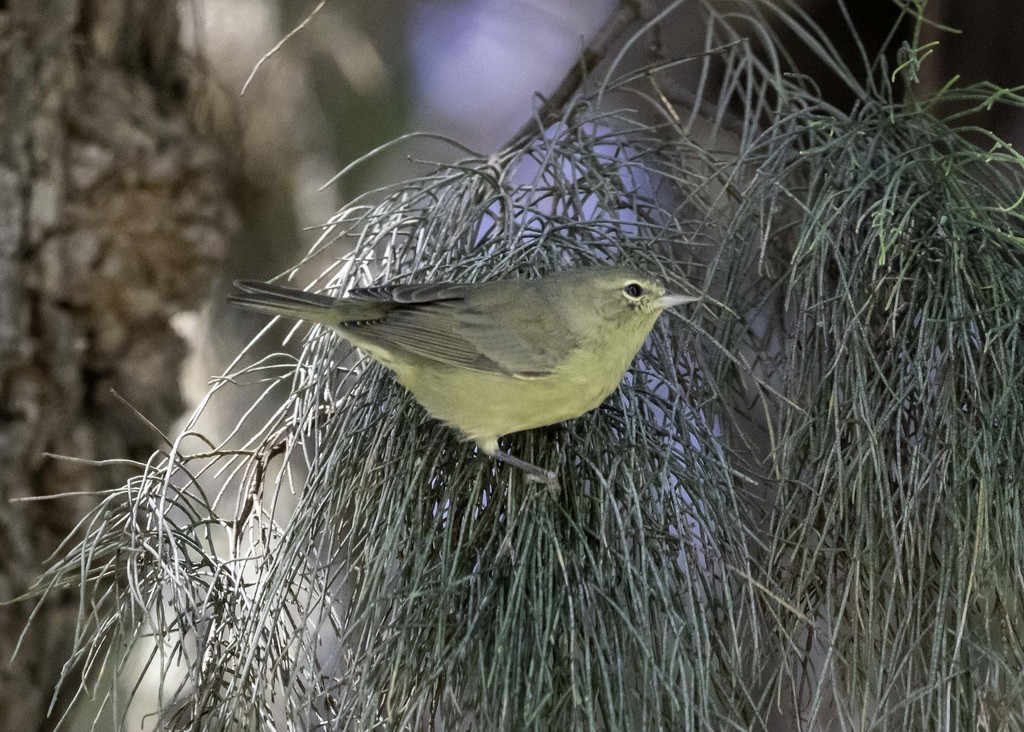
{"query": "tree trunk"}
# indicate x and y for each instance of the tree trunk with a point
(113, 216)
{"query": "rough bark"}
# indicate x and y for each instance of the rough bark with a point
(113, 215)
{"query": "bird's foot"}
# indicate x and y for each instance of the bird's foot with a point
(548, 477)
(533, 472)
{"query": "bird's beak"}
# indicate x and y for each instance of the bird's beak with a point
(671, 299)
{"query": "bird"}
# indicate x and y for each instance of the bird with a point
(496, 357)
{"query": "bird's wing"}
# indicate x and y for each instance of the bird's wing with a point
(410, 294)
(427, 330)
(421, 322)
(527, 344)
(444, 322)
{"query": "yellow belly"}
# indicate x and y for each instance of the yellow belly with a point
(484, 405)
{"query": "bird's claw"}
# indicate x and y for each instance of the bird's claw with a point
(549, 478)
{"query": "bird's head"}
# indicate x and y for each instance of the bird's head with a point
(623, 293)
(613, 303)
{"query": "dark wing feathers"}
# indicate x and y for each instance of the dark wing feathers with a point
(429, 331)
(411, 294)
(531, 348)
(452, 324)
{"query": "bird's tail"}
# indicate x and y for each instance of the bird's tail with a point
(276, 300)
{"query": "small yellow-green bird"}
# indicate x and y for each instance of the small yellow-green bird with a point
(495, 357)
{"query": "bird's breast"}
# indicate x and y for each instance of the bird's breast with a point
(484, 405)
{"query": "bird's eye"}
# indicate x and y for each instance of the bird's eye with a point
(633, 290)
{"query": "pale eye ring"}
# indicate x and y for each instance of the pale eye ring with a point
(633, 290)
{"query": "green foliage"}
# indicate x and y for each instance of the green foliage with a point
(802, 508)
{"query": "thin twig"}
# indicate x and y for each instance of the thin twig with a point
(625, 15)
(280, 44)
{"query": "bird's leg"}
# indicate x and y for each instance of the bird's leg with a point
(533, 472)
